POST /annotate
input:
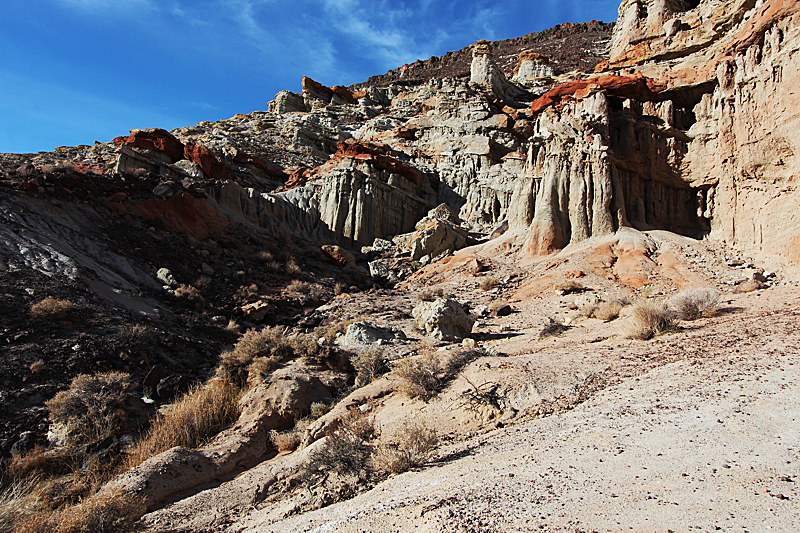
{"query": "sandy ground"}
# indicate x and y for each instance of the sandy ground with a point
(708, 442)
(696, 429)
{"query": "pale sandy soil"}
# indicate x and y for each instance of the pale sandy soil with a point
(697, 429)
(708, 442)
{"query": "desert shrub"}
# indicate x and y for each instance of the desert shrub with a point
(411, 446)
(37, 366)
(232, 326)
(299, 286)
(306, 346)
(190, 422)
(95, 407)
(552, 328)
(346, 450)
(190, 294)
(319, 409)
(488, 284)
(419, 375)
(369, 364)
(269, 343)
(569, 286)
(264, 255)
(650, 318)
(285, 441)
(478, 397)
(51, 308)
(318, 293)
(695, 303)
(45, 463)
(246, 292)
(137, 338)
(288, 441)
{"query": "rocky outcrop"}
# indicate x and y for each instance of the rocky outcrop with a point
(485, 71)
(532, 70)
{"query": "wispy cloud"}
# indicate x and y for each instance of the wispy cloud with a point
(110, 5)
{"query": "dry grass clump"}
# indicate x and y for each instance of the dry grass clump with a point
(488, 284)
(749, 285)
(411, 446)
(190, 422)
(111, 511)
(429, 295)
(202, 283)
(51, 308)
(319, 409)
(497, 304)
(695, 303)
(299, 286)
(285, 441)
(268, 344)
(37, 366)
(95, 407)
(292, 267)
(369, 364)
(42, 464)
(419, 375)
(288, 441)
(568, 287)
(649, 319)
(259, 370)
(246, 292)
(605, 311)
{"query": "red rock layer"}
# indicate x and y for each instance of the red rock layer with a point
(637, 87)
(153, 139)
(375, 156)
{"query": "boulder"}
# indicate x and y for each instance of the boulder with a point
(338, 254)
(443, 319)
(366, 333)
(165, 276)
(436, 239)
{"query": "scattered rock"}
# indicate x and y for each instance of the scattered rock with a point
(366, 333)
(443, 319)
(165, 276)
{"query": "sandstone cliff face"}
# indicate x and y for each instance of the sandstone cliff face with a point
(689, 126)
(736, 66)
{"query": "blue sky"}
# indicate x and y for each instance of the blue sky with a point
(76, 71)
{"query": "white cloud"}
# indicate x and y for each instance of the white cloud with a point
(110, 5)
